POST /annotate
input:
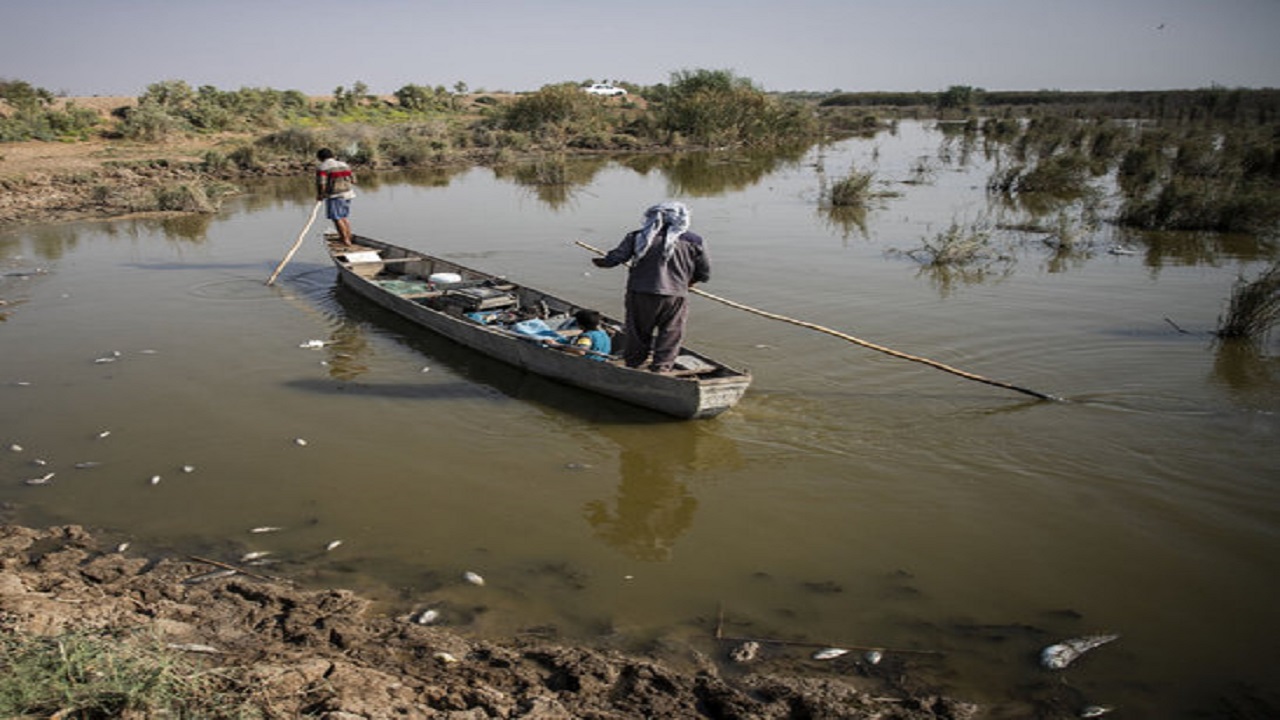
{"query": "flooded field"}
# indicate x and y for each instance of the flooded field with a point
(851, 499)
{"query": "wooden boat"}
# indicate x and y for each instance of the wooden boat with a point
(502, 319)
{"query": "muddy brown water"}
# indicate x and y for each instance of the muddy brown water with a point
(851, 499)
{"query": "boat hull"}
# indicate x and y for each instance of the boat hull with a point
(712, 391)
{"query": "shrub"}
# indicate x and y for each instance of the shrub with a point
(1254, 307)
(245, 157)
(1140, 167)
(183, 197)
(292, 140)
(717, 108)
(1194, 203)
(417, 98)
(149, 123)
(1066, 174)
(562, 106)
(854, 190)
(33, 117)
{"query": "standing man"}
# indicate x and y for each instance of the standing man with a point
(335, 185)
(666, 260)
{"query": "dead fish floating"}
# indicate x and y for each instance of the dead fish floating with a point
(426, 617)
(42, 480)
(830, 653)
(313, 344)
(194, 647)
(873, 657)
(155, 479)
(265, 529)
(1094, 711)
(746, 652)
(257, 555)
(332, 545)
(87, 465)
(473, 578)
(300, 442)
(1060, 655)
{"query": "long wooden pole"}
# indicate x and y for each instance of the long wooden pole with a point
(298, 243)
(858, 341)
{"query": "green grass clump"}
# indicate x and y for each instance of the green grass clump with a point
(88, 675)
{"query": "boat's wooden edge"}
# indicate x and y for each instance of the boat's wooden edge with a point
(734, 381)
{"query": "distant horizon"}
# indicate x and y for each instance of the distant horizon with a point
(835, 91)
(89, 47)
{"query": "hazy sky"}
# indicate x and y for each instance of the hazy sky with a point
(118, 47)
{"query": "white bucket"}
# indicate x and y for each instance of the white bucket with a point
(444, 278)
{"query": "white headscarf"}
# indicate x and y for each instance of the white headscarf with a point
(670, 217)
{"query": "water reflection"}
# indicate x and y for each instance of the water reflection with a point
(713, 174)
(1244, 369)
(552, 178)
(848, 221)
(652, 506)
(274, 193)
(51, 242)
(1201, 248)
(193, 227)
(959, 140)
(1065, 256)
(346, 350)
(947, 278)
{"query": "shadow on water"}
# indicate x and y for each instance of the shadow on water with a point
(193, 266)
(481, 371)
(407, 391)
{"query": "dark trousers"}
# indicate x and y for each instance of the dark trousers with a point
(655, 323)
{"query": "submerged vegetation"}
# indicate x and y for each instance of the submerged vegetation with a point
(853, 190)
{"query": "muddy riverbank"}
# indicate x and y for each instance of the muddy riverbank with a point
(289, 652)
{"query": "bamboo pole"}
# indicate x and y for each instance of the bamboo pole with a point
(298, 243)
(235, 568)
(857, 341)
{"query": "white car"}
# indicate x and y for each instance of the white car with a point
(604, 89)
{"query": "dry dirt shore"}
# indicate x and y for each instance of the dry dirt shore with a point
(324, 653)
(42, 182)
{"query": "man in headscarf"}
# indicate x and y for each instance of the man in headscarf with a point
(666, 260)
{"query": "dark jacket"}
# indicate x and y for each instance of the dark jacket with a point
(653, 275)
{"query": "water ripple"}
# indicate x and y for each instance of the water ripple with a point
(234, 289)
